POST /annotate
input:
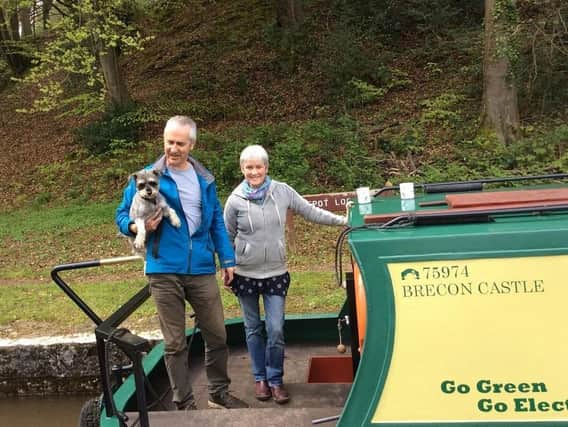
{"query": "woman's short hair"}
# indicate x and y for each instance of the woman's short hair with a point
(254, 152)
(183, 121)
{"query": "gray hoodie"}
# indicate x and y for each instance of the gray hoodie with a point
(257, 228)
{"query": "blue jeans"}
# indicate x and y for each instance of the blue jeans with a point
(266, 350)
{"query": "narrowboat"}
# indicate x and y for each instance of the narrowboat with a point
(454, 315)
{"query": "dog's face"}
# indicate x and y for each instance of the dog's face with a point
(147, 183)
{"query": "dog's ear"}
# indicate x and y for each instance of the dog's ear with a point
(157, 172)
(133, 176)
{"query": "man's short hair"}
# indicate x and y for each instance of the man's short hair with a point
(183, 121)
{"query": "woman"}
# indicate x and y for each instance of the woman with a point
(255, 217)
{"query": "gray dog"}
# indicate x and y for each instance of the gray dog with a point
(146, 202)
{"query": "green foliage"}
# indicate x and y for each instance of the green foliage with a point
(200, 109)
(355, 68)
(469, 159)
(85, 177)
(5, 73)
(76, 40)
(409, 141)
(443, 111)
(341, 159)
(125, 158)
(115, 127)
(364, 93)
(542, 152)
(292, 46)
(164, 7)
(290, 162)
(506, 19)
(343, 60)
(440, 118)
(483, 156)
(81, 105)
(314, 156)
(505, 11)
(392, 19)
(543, 64)
(360, 93)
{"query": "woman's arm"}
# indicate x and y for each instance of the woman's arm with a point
(310, 212)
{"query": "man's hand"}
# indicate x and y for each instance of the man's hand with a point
(227, 276)
(153, 222)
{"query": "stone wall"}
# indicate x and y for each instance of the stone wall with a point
(59, 368)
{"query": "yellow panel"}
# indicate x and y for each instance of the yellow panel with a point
(478, 340)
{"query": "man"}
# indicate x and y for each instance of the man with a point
(180, 264)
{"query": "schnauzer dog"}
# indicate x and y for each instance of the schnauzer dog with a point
(146, 202)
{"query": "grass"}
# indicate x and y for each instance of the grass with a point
(33, 241)
(45, 309)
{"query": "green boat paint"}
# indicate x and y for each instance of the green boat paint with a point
(464, 321)
(459, 322)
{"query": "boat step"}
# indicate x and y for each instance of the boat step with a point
(303, 395)
(253, 417)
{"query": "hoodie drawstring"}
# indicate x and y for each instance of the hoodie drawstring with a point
(275, 207)
(248, 216)
(277, 211)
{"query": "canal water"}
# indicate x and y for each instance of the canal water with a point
(52, 411)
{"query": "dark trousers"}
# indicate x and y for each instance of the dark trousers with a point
(170, 292)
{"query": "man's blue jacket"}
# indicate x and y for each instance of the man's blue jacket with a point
(176, 252)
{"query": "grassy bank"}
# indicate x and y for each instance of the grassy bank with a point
(33, 241)
(31, 309)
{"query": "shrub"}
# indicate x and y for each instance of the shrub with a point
(315, 156)
(443, 111)
(4, 73)
(542, 152)
(114, 126)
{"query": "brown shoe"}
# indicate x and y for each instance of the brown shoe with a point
(279, 394)
(262, 391)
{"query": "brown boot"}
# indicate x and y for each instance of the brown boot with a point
(262, 391)
(279, 394)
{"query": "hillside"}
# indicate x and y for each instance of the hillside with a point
(224, 64)
(357, 97)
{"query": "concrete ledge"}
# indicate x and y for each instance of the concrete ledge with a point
(54, 365)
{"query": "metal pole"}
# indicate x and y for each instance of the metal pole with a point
(325, 420)
(140, 391)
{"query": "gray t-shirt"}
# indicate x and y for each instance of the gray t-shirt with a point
(190, 196)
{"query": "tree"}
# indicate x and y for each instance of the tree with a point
(113, 77)
(45, 9)
(544, 31)
(289, 13)
(10, 46)
(84, 46)
(24, 12)
(500, 110)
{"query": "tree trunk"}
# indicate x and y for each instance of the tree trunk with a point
(25, 21)
(114, 80)
(500, 110)
(17, 62)
(45, 8)
(14, 24)
(289, 13)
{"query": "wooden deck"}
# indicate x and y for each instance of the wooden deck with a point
(309, 401)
